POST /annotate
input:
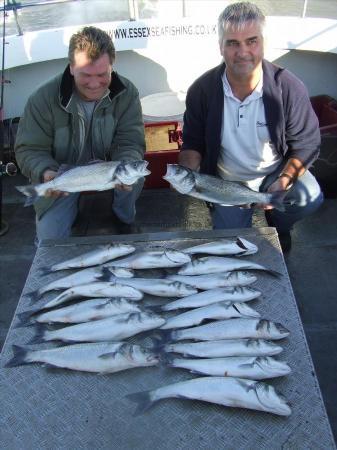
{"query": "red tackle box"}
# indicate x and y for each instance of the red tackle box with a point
(163, 141)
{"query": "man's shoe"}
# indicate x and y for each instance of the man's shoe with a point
(285, 241)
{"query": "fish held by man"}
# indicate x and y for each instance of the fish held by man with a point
(226, 391)
(97, 176)
(216, 190)
(97, 357)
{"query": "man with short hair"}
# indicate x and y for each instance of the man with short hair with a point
(87, 113)
(251, 121)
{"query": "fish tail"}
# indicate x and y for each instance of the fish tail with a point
(30, 192)
(33, 297)
(40, 334)
(277, 200)
(19, 357)
(25, 318)
(143, 400)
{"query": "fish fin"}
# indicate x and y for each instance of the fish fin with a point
(40, 331)
(106, 275)
(277, 200)
(247, 365)
(64, 168)
(33, 297)
(19, 356)
(30, 192)
(109, 355)
(143, 400)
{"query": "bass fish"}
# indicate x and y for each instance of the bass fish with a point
(84, 276)
(223, 247)
(98, 289)
(231, 329)
(98, 176)
(216, 190)
(228, 294)
(215, 264)
(252, 367)
(216, 280)
(97, 256)
(84, 311)
(157, 286)
(226, 391)
(218, 311)
(105, 357)
(115, 328)
(154, 259)
(225, 347)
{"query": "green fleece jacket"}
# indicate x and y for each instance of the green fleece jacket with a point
(52, 129)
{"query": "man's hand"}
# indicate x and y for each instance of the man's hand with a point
(280, 184)
(123, 187)
(49, 175)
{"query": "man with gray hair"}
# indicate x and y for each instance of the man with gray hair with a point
(251, 121)
(87, 113)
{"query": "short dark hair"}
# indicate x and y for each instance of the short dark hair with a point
(237, 14)
(94, 42)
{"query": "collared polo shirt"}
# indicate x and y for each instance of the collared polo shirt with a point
(246, 154)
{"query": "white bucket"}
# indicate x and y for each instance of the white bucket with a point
(163, 107)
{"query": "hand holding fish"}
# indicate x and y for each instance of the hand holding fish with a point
(123, 187)
(49, 175)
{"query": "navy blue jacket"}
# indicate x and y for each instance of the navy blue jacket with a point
(292, 123)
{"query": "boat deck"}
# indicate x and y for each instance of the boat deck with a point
(311, 263)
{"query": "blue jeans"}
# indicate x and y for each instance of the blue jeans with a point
(57, 221)
(303, 199)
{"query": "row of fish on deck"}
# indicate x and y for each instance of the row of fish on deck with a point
(233, 350)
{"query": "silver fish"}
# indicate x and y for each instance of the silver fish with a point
(216, 280)
(106, 357)
(216, 264)
(225, 347)
(84, 311)
(226, 391)
(99, 176)
(98, 289)
(86, 276)
(158, 287)
(216, 190)
(97, 256)
(154, 259)
(218, 311)
(115, 328)
(252, 367)
(221, 247)
(231, 329)
(231, 294)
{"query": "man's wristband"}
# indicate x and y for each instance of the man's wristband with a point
(291, 178)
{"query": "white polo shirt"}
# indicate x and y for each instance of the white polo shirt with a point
(246, 154)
